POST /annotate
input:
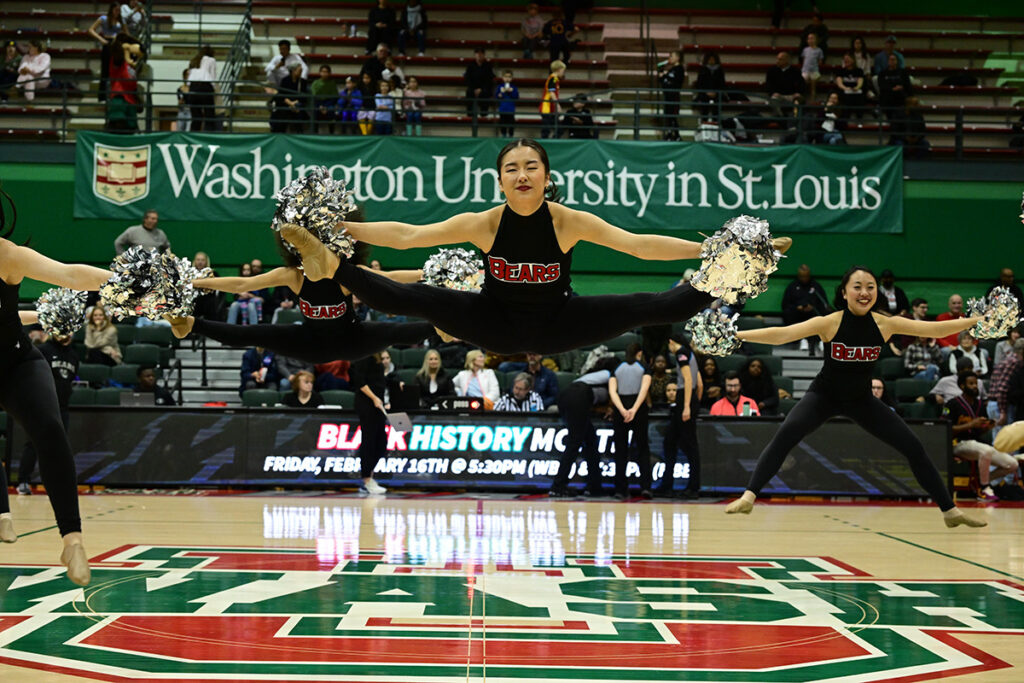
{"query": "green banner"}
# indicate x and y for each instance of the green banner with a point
(635, 185)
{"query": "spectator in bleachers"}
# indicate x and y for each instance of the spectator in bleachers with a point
(101, 338)
(661, 377)
(376, 63)
(819, 30)
(288, 368)
(830, 123)
(183, 121)
(34, 71)
(968, 348)
(1004, 349)
(393, 74)
(521, 398)
(558, 32)
(476, 381)
(712, 382)
(549, 105)
(413, 24)
(579, 121)
(881, 392)
(893, 89)
(881, 61)
(248, 303)
(672, 78)
(9, 72)
(956, 311)
(918, 311)
(146, 384)
(667, 403)
(910, 130)
(368, 97)
(291, 102)
(385, 109)
(479, 78)
(332, 375)
(282, 299)
(325, 95)
(105, 30)
(892, 300)
(145, 235)
(126, 55)
(923, 358)
(133, 14)
(280, 67)
(627, 390)
(432, 379)
(784, 84)
(259, 370)
(506, 94)
(803, 299)
(850, 82)
(1006, 279)
(350, 103)
(758, 383)
(533, 30)
(710, 85)
(946, 389)
(862, 58)
(543, 379)
(734, 403)
(414, 101)
(1001, 408)
(1017, 139)
(381, 26)
(811, 58)
(210, 303)
(202, 73)
(302, 393)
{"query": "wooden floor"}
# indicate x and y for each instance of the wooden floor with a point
(461, 588)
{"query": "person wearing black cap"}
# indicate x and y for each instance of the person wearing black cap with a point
(891, 299)
(578, 120)
(882, 58)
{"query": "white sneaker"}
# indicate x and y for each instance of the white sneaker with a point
(803, 345)
(373, 488)
(24, 489)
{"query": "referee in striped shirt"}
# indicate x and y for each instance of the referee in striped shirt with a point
(522, 398)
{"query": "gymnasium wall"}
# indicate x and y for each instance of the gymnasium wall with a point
(957, 236)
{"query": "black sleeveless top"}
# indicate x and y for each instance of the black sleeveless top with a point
(850, 358)
(525, 265)
(323, 302)
(14, 343)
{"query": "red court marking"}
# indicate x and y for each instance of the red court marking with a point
(682, 569)
(8, 622)
(701, 646)
(385, 622)
(988, 662)
(309, 562)
(456, 565)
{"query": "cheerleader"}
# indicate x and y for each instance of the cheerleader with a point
(853, 337)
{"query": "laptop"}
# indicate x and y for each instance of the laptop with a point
(146, 399)
(400, 422)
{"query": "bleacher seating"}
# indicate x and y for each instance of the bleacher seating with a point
(260, 397)
(339, 397)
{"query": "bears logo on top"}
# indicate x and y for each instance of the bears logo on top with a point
(315, 312)
(856, 354)
(533, 273)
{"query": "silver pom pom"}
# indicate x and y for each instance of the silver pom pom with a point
(1000, 312)
(61, 311)
(454, 269)
(150, 284)
(595, 356)
(316, 202)
(713, 333)
(737, 260)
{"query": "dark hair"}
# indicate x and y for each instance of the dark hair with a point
(284, 41)
(887, 273)
(765, 370)
(632, 350)
(839, 303)
(961, 377)
(325, 66)
(551, 194)
(143, 368)
(678, 338)
(917, 302)
(964, 364)
(708, 56)
(5, 231)
(732, 374)
(608, 363)
(864, 44)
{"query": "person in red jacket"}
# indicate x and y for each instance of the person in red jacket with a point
(734, 403)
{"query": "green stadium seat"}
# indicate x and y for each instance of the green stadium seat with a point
(339, 397)
(260, 397)
(750, 323)
(142, 354)
(730, 363)
(412, 358)
(82, 396)
(891, 368)
(786, 405)
(408, 375)
(125, 334)
(79, 336)
(783, 382)
(907, 389)
(288, 316)
(622, 341)
(773, 363)
(920, 410)
(94, 373)
(756, 349)
(109, 396)
(564, 380)
(126, 374)
(160, 335)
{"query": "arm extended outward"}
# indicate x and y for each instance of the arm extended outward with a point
(924, 328)
(580, 226)
(821, 326)
(278, 277)
(22, 262)
(465, 227)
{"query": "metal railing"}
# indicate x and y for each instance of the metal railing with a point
(239, 57)
(637, 113)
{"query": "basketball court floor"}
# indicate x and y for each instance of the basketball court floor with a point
(431, 588)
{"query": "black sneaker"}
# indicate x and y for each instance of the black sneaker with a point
(593, 493)
(620, 495)
(646, 495)
(558, 493)
(690, 494)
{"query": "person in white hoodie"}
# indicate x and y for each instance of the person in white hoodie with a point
(34, 71)
(476, 381)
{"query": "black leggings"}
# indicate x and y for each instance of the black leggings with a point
(638, 426)
(28, 395)
(487, 322)
(317, 343)
(29, 456)
(575, 405)
(870, 413)
(374, 444)
(682, 435)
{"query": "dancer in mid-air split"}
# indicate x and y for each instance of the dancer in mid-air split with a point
(329, 330)
(526, 303)
(28, 394)
(853, 337)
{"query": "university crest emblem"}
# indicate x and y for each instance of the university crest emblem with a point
(121, 174)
